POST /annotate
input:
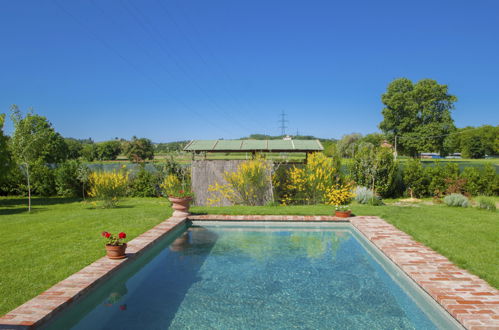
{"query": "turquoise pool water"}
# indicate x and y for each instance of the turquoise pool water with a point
(222, 277)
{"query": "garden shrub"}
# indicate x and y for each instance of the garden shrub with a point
(251, 181)
(415, 178)
(143, 184)
(486, 203)
(311, 183)
(42, 179)
(441, 177)
(280, 183)
(248, 185)
(364, 195)
(376, 168)
(67, 179)
(456, 200)
(489, 180)
(14, 183)
(108, 186)
(473, 185)
(340, 194)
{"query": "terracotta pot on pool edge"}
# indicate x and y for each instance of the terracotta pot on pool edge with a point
(116, 251)
(343, 214)
(180, 206)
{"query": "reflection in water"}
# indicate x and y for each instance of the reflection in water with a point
(228, 278)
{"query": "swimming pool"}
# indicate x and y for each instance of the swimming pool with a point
(259, 275)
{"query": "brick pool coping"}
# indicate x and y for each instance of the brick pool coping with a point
(469, 299)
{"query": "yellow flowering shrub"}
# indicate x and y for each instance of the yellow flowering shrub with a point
(312, 183)
(108, 186)
(339, 194)
(248, 185)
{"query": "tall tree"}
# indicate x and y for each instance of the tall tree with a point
(417, 115)
(5, 157)
(138, 150)
(34, 142)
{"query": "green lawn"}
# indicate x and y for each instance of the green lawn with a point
(468, 237)
(60, 237)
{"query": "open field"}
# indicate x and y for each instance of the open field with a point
(60, 237)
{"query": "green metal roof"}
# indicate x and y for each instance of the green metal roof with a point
(254, 145)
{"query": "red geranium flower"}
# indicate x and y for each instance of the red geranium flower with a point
(106, 234)
(122, 235)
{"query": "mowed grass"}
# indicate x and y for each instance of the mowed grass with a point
(60, 237)
(469, 237)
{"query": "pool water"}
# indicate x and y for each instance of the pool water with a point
(218, 277)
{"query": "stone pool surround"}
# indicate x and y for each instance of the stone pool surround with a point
(469, 299)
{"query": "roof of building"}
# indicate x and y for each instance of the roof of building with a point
(254, 146)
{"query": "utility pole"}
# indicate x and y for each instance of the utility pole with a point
(283, 122)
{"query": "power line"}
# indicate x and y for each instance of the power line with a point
(150, 29)
(133, 65)
(189, 41)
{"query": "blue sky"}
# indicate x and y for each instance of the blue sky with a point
(191, 69)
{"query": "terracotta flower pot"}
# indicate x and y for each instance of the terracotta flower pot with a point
(116, 251)
(343, 214)
(180, 206)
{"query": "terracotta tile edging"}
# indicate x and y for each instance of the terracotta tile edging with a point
(41, 308)
(468, 298)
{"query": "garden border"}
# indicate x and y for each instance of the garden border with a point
(469, 299)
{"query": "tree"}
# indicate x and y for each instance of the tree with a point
(75, 148)
(374, 167)
(35, 143)
(5, 157)
(108, 150)
(138, 150)
(418, 115)
(348, 144)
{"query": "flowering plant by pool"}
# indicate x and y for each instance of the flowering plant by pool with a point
(114, 239)
(173, 187)
(342, 208)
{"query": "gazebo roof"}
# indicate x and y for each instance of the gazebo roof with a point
(254, 146)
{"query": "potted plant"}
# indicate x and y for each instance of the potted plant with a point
(115, 245)
(179, 194)
(342, 211)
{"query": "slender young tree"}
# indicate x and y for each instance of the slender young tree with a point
(34, 140)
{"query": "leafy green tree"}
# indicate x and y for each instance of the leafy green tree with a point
(138, 150)
(75, 148)
(35, 144)
(376, 139)
(419, 115)
(109, 150)
(90, 152)
(374, 167)
(5, 156)
(348, 144)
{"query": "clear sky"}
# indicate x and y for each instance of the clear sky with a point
(195, 69)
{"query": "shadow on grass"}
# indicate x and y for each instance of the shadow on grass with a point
(11, 211)
(23, 201)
